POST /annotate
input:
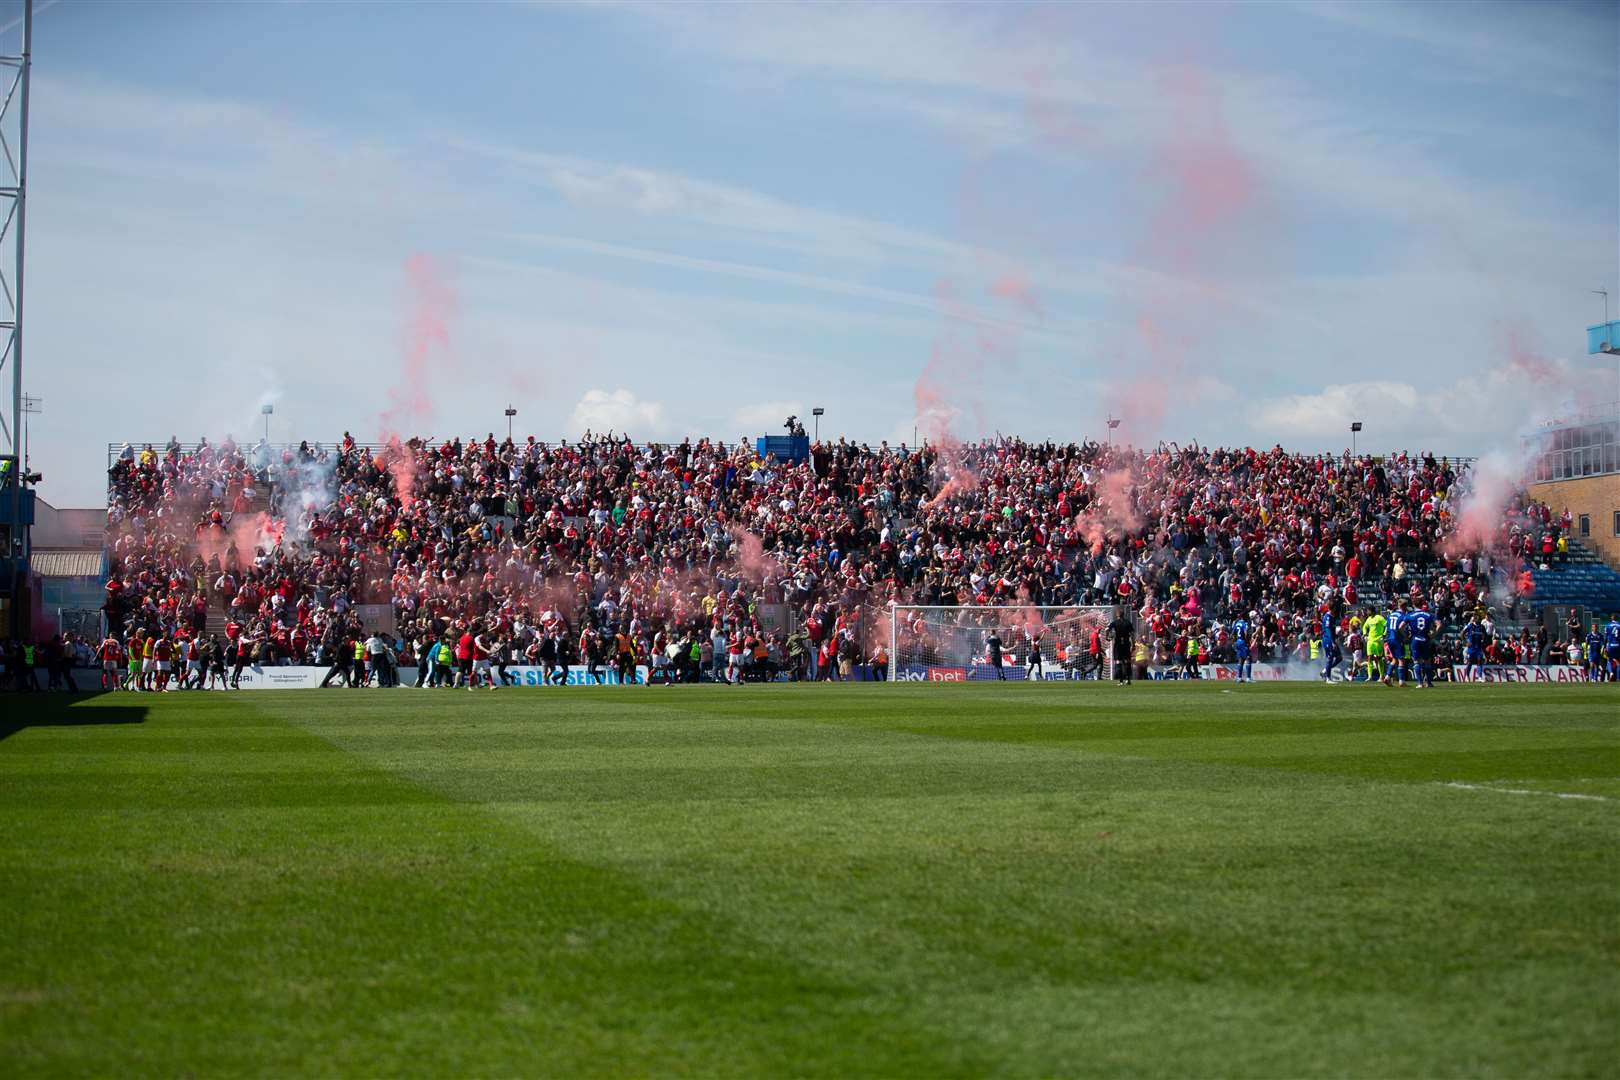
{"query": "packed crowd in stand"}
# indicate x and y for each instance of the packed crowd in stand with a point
(701, 559)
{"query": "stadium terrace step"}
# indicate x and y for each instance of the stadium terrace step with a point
(1579, 551)
(1590, 584)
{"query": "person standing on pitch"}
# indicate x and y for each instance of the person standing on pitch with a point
(504, 647)
(1376, 628)
(464, 658)
(216, 661)
(135, 651)
(1611, 649)
(342, 657)
(626, 655)
(1032, 663)
(1240, 648)
(1399, 643)
(111, 662)
(1330, 645)
(483, 648)
(1424, 625)
(1122, 631)
(196, 669)
(443, 664)
(1473, 639)
(377, 654)
(993, 646)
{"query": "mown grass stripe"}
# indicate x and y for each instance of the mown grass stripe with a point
(227, 922)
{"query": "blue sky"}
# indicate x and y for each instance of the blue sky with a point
(1242, 224)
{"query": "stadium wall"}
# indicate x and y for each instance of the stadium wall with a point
(1597, 497)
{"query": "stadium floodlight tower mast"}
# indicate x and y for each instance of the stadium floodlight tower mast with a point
(14, 208)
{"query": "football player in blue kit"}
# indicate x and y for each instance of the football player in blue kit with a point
(1240, 647)
(1330, 645)
(1611, 649)
(1400, 643)
(1424, 625)
(1473, 637)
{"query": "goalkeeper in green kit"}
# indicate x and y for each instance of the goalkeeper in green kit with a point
(1376, 629)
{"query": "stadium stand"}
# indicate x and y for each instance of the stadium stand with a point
(1578, 578)
(691, 548)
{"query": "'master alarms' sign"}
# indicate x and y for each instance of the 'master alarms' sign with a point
(1533, 673)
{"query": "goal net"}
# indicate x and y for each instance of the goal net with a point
(955, 644)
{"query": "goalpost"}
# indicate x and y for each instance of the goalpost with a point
(952, 644)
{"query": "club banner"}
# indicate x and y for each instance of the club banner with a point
(576, 675)
(1303, 672)
(1017, 673)
(282, 678)
(305, 678)
(1531, 673)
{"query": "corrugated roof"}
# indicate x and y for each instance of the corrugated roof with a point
(66, 562)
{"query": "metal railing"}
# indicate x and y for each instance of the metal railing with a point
(247, 450)
(275, 450)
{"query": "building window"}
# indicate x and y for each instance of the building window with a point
(1585, 524)
(1572, 452)
(1617, 523)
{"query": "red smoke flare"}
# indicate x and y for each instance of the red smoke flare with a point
(430, 305)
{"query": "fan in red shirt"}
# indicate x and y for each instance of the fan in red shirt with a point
(464, 658)
(163, 656)
(112, 662)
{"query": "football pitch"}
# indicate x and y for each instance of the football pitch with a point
(1060, 879)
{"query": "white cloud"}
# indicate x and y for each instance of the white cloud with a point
(1062, 333)
(942, 49)
(1489, 411)
(619, 411)
(1550, 46)
(1209, 390)
(642, 190)
(92, 128)
(676, 196)
(1328, 413)
(767, 416)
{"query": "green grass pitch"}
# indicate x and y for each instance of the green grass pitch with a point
(1024, 880)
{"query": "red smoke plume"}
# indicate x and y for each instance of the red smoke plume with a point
(1204, 221)
(953, 379)
(1113, 512)
(430, 305)
(749, 552)
(247, 532)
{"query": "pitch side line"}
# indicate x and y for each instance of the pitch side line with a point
(1524, 791)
